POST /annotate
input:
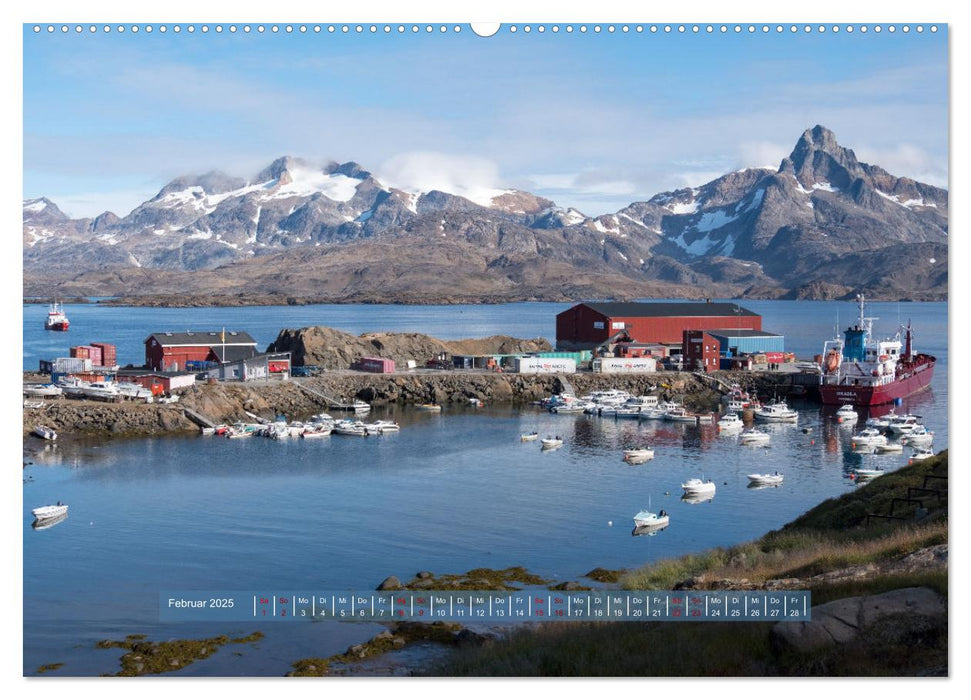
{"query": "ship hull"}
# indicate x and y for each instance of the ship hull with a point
(916, 379)
(57, 326)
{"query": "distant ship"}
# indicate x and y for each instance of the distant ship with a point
(56, 319)
(865, 372)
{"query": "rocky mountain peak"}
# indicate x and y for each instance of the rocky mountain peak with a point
(818, 159)
(349, 169)
(283, 164)
(43, 208)
(213, 182)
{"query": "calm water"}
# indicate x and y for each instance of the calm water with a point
(448, 493)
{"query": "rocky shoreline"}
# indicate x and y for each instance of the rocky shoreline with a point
(299, 399)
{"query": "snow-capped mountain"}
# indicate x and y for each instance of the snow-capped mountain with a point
(759, 231)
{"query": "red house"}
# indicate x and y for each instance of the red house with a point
(178, 351)
(589, 325)
(700, 351)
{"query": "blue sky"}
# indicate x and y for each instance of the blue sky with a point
(593, 121)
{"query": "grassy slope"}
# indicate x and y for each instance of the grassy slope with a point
(830, 536)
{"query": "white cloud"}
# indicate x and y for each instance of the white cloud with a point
(908, 160)
(421, 171)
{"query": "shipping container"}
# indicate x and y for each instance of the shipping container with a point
(46, 367)
(624, 365)
(70, 365)
(381, 365)
(777, 357)
(580, 356)
(542, 365)
(94, 353)
(109, 354)
(80, 351)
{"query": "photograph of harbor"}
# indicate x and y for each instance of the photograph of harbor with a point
(459, 351)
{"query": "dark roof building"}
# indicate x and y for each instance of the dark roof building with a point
(589, 325)
(176, 351)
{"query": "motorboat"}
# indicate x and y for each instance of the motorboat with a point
(880, 422)
(847, 414)
(45, 433)
(730, 422)
(130, 390)
(207, 430)
(699, 487)
(102, 391)
(903, 425)
(647, 519)
(72, 386)
(49, 512)
(921, 453)
(776, 412)
(865, 473)
(380, 427)
(679, 414)
(754, 436)
(43, 390)
(527, 437)
(551, 442)
(316, 430)
(774, 479)
(638, 455)
(575, 406)
(350, 427)
(889, 447)
(869, 436)
(920, 436)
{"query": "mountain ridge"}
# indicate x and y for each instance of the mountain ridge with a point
(777, 231)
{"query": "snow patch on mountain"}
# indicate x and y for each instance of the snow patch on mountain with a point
(825, 187)
(34, 205)
(307, 181)
(909, 204)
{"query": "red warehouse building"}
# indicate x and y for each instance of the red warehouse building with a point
(700, 351)
(587, 326)
(178, 351)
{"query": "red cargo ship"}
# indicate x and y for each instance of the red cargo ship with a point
(865, 372)
(56, 319)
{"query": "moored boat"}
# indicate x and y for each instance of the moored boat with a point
(528, 437)
(551, 442)
(754, 436)
(869, 436)
(774, 479)
(48, 512)
(56, 318)
(921, 453)
(847, 415)
(862, 371)
(920, 436)
(434, 407)
(698, 487)
(776, 412)
(647, 519)
(730, 422)
(903, 425)
(638, 455)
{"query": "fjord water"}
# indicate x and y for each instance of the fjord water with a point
(450, 492)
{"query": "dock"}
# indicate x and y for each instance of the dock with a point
(197, 418)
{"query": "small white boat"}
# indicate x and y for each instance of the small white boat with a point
(754, 436)
(847, 414)
(527, 437)
(699, 487)
(638, 455)
(45, 433)
(549, 443)
(49, 390)
(130, 390)
(679, 414)
(354, 428)
(919, 436)
(207, 431)
(868, 473)
(776, 412)
(903, 425)
(889, 447)
(102, 391)
(730, 422)
(48, 512)
(647, 519)
(316, 430)
(869, 436)
(880, 422)
(380, 427)
(424, 407)
(766, 479)
(921, 453)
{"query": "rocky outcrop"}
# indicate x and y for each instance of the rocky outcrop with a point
(843, 621)
(330, 348)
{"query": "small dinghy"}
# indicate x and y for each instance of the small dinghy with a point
(527, 437)
(698, 487)
(551, 442)
(45, 433)
(50, 512)
(645, 519)
(638, 455)
(868, 473)
(774, 479)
